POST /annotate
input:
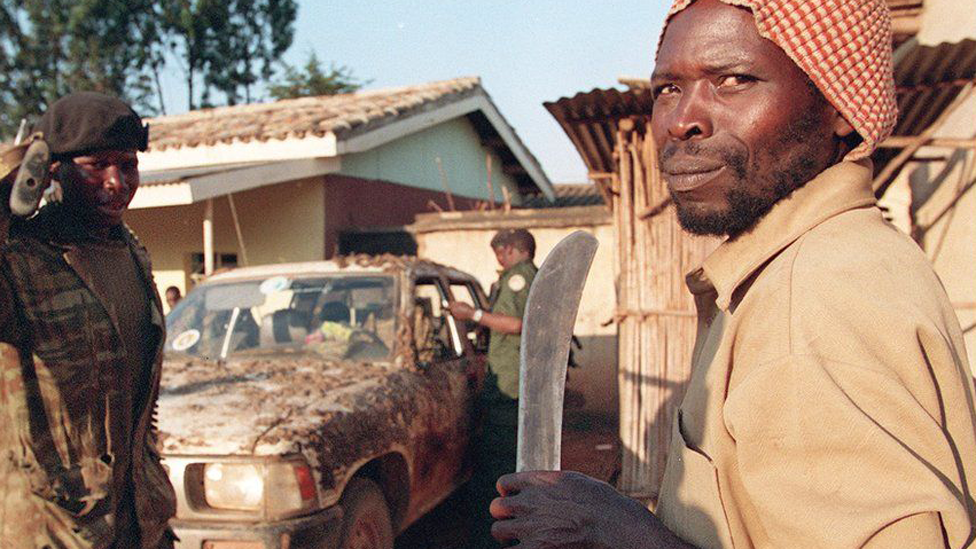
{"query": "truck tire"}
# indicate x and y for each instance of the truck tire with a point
(366, 517)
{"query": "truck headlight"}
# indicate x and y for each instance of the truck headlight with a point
(274, 488)
(234, 486)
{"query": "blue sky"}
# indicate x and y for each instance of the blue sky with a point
(525, 51)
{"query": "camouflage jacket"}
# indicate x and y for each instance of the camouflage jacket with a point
(58, 342)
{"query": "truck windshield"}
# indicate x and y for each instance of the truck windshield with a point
(341, 317)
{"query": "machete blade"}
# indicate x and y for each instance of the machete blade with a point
(547, 327)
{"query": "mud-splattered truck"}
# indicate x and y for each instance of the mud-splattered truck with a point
(317, 405)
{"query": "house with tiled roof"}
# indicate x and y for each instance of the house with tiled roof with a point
(306, 179)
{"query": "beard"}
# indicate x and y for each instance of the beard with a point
(760, 183)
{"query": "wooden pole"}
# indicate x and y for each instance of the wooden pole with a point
(901, 141)
(237, 229)
(447, 189)
(647, 336)
(491, 187)
(208, 238)
(629, 368)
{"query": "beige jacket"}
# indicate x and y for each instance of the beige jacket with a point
(831, 402)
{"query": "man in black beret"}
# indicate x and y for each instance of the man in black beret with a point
(81, 335)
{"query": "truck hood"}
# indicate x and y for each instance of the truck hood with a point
(255, 407)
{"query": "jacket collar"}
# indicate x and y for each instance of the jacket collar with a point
(503, 272)
(55, 226)
(842, 187)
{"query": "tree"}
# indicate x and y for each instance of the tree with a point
(113, 46)
(51, 47)
(257, 34)
(228, 45)
(312, 80)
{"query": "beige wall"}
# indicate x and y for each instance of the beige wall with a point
(470, 250)
(939, 193)
(283, 223)
(280, 223)
(947, 21)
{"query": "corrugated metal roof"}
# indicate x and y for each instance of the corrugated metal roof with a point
(568, 196)
(590, 121)
(928, 79)
(905, 18)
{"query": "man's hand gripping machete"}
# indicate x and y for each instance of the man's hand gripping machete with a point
(547, 328)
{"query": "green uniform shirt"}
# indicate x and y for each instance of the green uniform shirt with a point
(509, 298)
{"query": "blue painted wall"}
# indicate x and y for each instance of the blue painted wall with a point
(411, 160)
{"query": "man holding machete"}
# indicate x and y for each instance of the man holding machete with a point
(830, 402)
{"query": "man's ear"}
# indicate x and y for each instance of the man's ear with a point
(841, 127)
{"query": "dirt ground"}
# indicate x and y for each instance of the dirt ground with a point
(589, 445)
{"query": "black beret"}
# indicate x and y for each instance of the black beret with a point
(85, 122)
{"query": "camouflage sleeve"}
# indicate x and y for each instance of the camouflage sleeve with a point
(4, 210)
(10, 331)
(153, 476)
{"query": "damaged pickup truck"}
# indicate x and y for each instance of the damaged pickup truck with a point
(317, 405)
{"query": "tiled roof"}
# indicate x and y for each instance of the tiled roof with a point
(345, 115)
(568, 196)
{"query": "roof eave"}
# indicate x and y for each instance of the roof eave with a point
(237, 151)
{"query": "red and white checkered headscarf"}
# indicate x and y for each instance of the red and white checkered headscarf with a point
(844, 46)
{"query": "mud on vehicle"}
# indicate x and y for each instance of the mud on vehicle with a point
(317, 405)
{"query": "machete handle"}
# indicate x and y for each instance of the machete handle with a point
(33, 178)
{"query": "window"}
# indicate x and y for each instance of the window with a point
(336, 317)
(471, 293)
(221, 261)
(435, 332)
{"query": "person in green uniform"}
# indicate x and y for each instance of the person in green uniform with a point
(495, 447)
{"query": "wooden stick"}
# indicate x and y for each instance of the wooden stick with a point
(491, 188)
(645, 313)
(900, 141)
(237, 229)
(884, 179)
(447, 189)
(654, 210)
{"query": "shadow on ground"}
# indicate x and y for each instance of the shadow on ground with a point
(590, 445)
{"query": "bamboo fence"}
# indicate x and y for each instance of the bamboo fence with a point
(656, 313)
